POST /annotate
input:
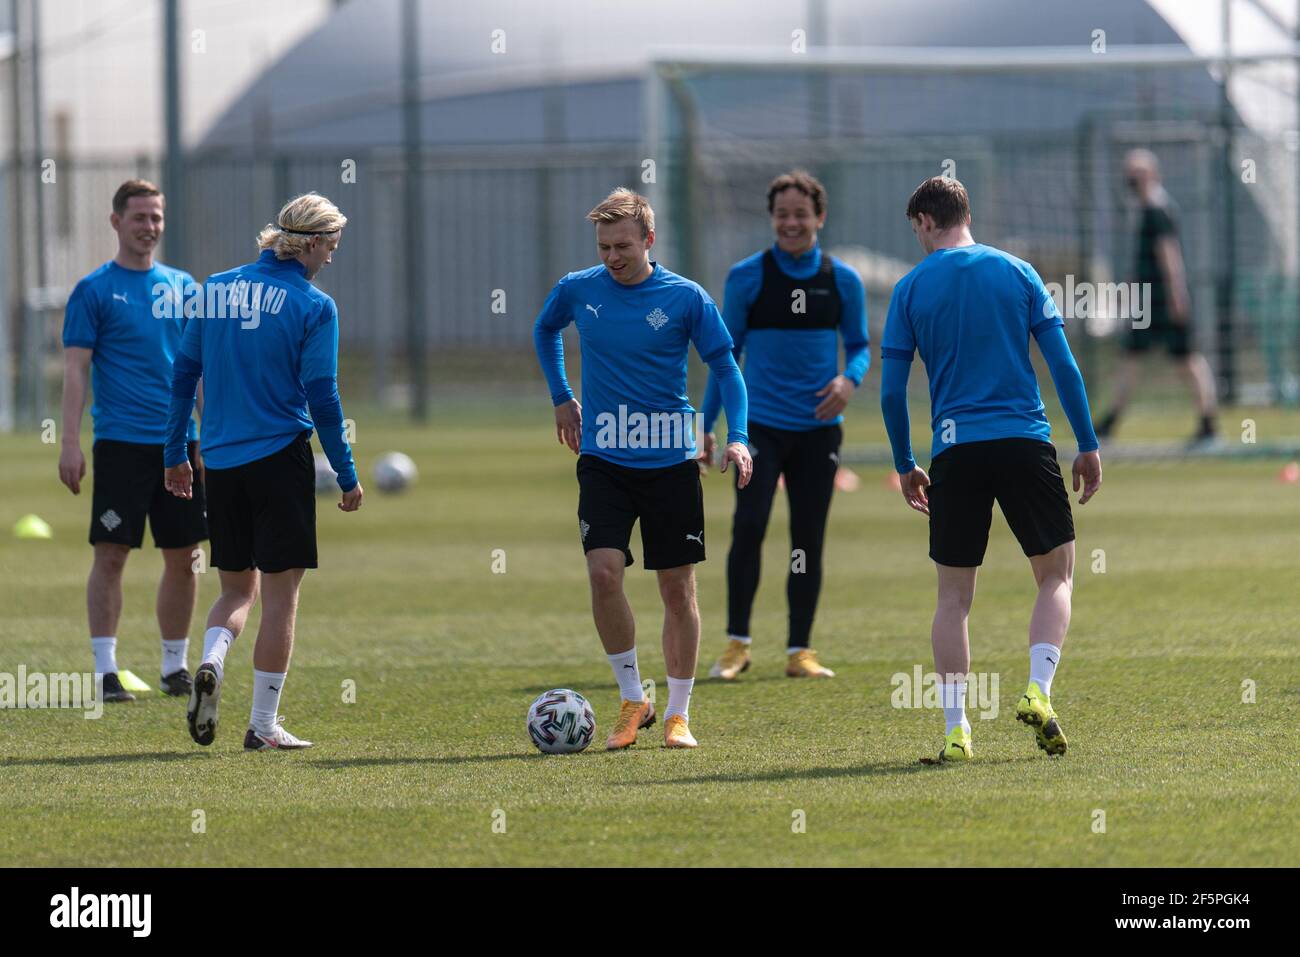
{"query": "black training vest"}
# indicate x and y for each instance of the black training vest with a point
(775, 306)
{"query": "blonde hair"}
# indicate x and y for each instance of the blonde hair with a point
(301, 219)
(622, 203)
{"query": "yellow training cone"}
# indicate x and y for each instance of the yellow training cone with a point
(32, 526)
(132, 683)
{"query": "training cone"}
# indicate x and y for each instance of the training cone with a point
(846, 480)
(32, 526)
(1290, 473)
(893, 481)
(131, 682)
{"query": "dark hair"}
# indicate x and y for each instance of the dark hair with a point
(943, 198)
(133, 187)
(802, 180)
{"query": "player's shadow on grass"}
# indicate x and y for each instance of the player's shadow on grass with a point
(84, 760)
(876, 769)
(587, 686)
(699, 683)
(339, 764)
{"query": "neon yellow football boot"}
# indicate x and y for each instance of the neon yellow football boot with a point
(1035, 710)
(957, 746)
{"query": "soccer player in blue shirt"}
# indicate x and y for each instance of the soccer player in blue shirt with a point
(789, 306)
(970, 311)
(634, 437)
(122, 327)
(266, 342)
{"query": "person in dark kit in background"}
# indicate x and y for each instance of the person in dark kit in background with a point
(1160, 264)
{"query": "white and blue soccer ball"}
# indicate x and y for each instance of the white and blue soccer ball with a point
(561, 722)
(394, 472)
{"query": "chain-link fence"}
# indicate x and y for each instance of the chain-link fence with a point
(500, 229)
(1040, 145)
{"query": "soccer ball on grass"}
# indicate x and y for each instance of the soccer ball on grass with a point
(561, 722)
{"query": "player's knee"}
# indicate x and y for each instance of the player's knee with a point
(180, 561)
(110, 560)
(806, 559)
(605, 578)
(677, 592)
(1056, 578)
(1056, 568)
(239, 597)
(240, 592)
(955, 602)
(749, 529)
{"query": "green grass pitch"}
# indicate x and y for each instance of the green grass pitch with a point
(431, 764)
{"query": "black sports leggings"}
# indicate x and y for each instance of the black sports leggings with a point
(809, 461)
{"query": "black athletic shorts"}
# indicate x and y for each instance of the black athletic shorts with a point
(1176, 339)
(1021, 474)
(669, 502)
(263, 514)
(128, 486)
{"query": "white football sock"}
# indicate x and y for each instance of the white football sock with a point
(1043, 659)
(216, 642)
(745, 639)
(953, 697)
(267, 686)
(627, 674)
(175, 655)
(679, 697)
(105, 655)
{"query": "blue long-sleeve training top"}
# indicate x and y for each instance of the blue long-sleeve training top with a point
(791, 355)
(635, 341)
(266, 342)
(970, 311)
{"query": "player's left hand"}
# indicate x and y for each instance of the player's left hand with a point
(351, 499)
(179, 480)
(914, 484)
(1087, 471)
(568, 424)
(738, 452)
(838, 392)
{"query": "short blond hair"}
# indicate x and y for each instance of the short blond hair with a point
(622, 203)
(301, 219)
